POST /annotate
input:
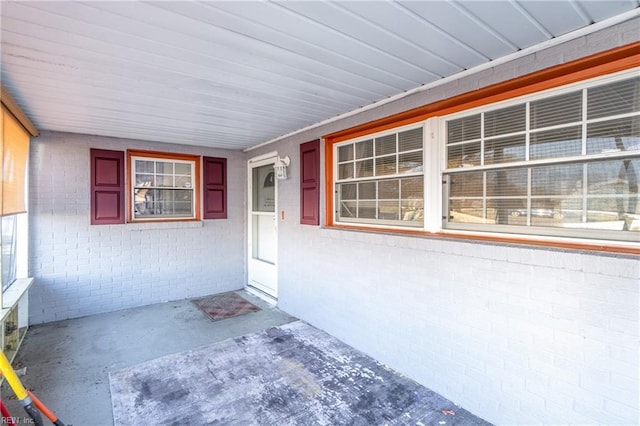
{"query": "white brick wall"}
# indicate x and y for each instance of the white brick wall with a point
(82, 269)
(517, 335)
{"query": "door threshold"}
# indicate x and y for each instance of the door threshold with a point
(262, 295)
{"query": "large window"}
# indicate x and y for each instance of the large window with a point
(163, 186)
(564, 163)
(380, 179)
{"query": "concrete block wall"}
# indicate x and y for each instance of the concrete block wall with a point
(84, 269)
(516, 334)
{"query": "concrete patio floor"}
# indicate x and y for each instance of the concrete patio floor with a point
(68, 362)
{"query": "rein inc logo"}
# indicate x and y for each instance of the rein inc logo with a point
(17, 420)
(12, 420)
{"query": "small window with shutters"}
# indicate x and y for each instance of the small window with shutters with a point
(160, 187)
(163, 186)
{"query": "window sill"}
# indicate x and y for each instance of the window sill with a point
(14, 293)
(610, 247)
(151, 226)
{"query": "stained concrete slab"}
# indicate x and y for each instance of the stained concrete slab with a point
(293, 374)
(68, 362)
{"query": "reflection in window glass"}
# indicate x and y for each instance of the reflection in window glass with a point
(506, 211)
(345, 171)
(505, 120)
(364, 149)
(263, 189)
(559, 179)
(386, 145)
(386, 165)
(507, 183)
(563, 109)
(9, 240)
(345, 153)
(349, 191)
(465, 155)
(556, 143)
(463, 129)
(389, 183)
(410, 162)
(505, 150)
(389, 189)
(383, 200)
(466, 211)
(163, 189)
(575, 168)
(410, 140)
(618, 135)
(467, 184)
(364, 168)
(620, 97)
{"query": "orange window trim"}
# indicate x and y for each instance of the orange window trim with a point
(169, 156)
(532, 241)
(600, 64)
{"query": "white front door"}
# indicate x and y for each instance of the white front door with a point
(263, 232)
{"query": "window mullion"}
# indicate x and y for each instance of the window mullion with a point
(584, 121)
(482, 139)
(529, 194)
(527, 134)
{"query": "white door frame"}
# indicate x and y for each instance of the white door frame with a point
(261, 275)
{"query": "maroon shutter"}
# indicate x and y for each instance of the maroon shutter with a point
(107, 187)
(310, 183)
(215, 188)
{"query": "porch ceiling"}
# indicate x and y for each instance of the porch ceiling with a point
(237, 74)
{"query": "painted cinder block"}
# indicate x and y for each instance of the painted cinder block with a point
(118, 266)
(518, 335)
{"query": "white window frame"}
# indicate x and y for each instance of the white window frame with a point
(168, 158)
(381, 223)
(582, 233)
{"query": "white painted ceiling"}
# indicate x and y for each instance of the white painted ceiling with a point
(235, 74)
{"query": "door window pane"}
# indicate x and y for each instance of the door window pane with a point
(263, 188)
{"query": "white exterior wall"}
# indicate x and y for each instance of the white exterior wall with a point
(83, 269)
(515, 334)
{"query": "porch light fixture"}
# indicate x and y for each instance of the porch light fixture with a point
(280, 167)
